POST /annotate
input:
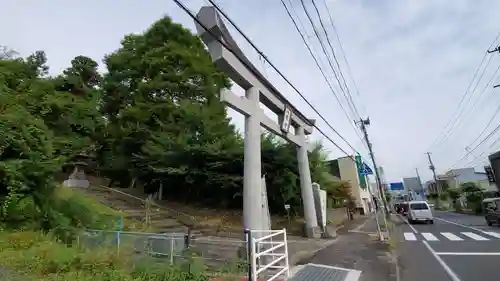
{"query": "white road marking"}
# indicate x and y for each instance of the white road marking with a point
(466, 254)
(459, 224)
(410, 236)
(411, 226)
(474, 236)
(446, 268)
(429, 236)
(494, 234)
(451, 236)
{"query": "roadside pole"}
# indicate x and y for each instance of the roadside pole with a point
(363, 124)
(380, 235)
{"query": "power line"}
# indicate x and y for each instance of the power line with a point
(334, 57)
(458, 120)
(328, 57)
(195, 18)
(487, 125)
(318, 65)
(464, 95)
(479, 144)
(341, 47)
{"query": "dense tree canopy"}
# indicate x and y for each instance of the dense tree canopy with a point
(153, 117)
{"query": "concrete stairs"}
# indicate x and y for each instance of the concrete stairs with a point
(162, 220)
(214, 251)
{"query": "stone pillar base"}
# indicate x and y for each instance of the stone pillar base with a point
(312, 232)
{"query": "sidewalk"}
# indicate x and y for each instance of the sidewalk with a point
(359, 249)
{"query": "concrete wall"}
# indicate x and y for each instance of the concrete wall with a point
(336, 215)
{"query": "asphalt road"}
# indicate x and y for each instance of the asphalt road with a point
(456, 247)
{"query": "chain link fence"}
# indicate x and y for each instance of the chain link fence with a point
(221, 255)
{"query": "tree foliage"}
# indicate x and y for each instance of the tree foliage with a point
(154, 117)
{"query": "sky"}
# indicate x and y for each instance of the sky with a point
(411, 62)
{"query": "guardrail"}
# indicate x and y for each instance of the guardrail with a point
(266, 254)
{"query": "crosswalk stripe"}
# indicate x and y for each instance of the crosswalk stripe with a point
(494, 234)
(451, 236)
(429, 236)
(474, 236)
(410, 236)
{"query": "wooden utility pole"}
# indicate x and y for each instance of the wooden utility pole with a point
(363, 124)
(433, 169)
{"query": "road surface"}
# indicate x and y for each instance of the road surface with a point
(456, 247)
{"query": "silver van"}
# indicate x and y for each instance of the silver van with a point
(419, 211)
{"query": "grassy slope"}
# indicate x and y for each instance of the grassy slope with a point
(33, 255)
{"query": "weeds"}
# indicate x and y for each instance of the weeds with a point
(44, 257)
(58, 255)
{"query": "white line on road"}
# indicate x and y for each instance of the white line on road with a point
(474, 236)
(459, 224)
(494, 234)
(446, 268)
(466, 254)
(410, 236)
(451, 236)
(429, 236)
(411, 226)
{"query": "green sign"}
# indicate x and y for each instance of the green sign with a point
(361, 176)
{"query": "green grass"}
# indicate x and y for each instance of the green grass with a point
(31, 254)
(66, 193)
(41, 257)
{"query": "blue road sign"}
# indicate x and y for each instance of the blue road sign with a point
(396, 186)
(365, 170)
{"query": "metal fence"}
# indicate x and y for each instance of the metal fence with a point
(167, 245)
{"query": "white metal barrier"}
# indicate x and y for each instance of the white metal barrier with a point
(268, 251)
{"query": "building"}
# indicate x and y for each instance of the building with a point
(456, 177)
(345, 169)
(430, 186)
(414, 187)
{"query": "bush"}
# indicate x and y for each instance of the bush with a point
(41, 255)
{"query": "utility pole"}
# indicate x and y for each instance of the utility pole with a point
(421, 191)
(419, 181)
(433, 169)
(363, 124)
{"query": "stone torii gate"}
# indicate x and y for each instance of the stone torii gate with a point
(258, 89)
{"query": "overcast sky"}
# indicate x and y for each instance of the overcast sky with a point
(411, 60)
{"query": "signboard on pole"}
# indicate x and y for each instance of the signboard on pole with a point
(396, 186)
(365, 170)
(361, 176)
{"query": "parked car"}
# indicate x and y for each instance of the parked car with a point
(419, 211)
(491, 209)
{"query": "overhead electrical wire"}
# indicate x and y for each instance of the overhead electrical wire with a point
(195, 18)
(309, 48)
(487, 125)
(497, 128)
(347, 95)
(458, 120)
(453, 119)
(349, 71)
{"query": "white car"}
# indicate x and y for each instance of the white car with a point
(419, 211)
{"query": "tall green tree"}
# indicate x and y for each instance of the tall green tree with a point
(42, 127)
(165, 119)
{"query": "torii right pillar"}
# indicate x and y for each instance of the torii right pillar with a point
(311, 227)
